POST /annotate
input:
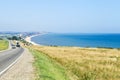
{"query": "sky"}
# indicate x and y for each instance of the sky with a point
(62, 16)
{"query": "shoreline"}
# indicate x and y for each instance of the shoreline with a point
(28, 39)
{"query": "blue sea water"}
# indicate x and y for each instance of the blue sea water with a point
(79, 40)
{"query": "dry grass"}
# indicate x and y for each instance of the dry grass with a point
(86, 63)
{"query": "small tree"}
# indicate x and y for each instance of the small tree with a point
(9, 38)
(15, 38)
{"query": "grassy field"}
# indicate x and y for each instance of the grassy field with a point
(47, 68)
(4, 44)
(86, 63)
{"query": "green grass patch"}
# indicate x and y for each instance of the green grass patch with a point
(47, 68)
(4, 44)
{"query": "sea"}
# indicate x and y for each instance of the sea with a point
(79, 40)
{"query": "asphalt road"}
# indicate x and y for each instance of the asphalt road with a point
(9, 56)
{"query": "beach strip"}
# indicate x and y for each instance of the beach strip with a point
(28, 39)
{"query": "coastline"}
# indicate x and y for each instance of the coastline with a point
(28, 39)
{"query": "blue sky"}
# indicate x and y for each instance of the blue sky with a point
(63, 16)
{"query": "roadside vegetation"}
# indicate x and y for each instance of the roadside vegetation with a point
(47, 68)
(4, 44)
(82, 63)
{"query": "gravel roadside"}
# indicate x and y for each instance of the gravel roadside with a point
(22, 70)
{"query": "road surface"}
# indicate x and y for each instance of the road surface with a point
(9, 57)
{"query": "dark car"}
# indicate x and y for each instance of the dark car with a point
(17, 45)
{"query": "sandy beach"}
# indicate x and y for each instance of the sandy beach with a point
(28, 39)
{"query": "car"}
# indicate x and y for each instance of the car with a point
(17, 45)
(13, 47)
